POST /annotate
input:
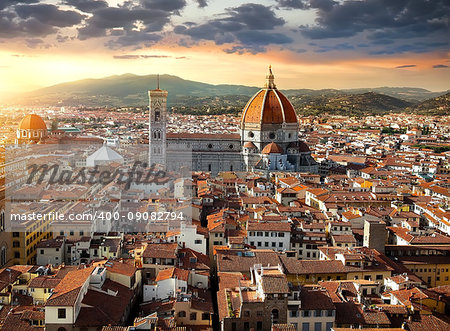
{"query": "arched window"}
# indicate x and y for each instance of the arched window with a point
(275, 315)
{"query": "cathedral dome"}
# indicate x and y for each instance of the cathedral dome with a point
(272, 148)
(269, 106)
(32, 122)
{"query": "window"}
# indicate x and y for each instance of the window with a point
(330, 312)
(17, 255)
(193, 316)
(71, 232)
(293, 313)
(329, 325)
(15, 234)
(259, 325)
(198, 241)
(61, 233)
(81, 233)
(318, 313)
(61, 312)
(205, 316)
(3, 256)
(247, 313)
(42, 252)
(266, 244)
(379, 277)
(246, 326)
(259, 313)
(317, 326)
(193, 260)
(275, 314)
(16, 243)
(306, 313)
(305, 326)
(274, 244)
(181, 313)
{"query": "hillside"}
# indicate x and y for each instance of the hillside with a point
(128, 89)
(435, 106)
(196, 97)
(338, 103)
(352, 104)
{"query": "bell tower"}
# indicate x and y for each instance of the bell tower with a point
(157, 125)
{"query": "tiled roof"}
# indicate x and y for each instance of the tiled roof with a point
(314, 298)
(422, 322)
(230, 262)
(274, 283)
(121, 267)
(66, 292)
(161, 250)
(173, 273)
(269, 226)
(44, 282)
(102, 308)
(298, 267)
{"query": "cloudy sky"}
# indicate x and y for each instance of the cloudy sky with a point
(309, 43)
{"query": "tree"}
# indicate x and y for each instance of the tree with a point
(54, 125)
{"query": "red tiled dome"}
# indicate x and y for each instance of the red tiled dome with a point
(272, 148)
(269, 106)
(249, 144)
(32, 122)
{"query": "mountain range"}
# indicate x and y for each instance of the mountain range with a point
(131, 90)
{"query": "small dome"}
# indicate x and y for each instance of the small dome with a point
(269, 106)
(249, 144)
(32, 122)
(272, 148)
(299, 146)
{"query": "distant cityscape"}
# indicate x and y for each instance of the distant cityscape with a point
(265, 221)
